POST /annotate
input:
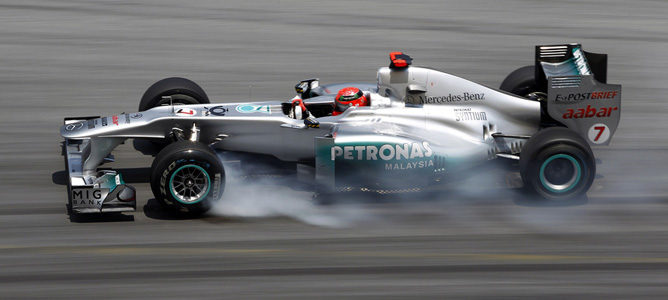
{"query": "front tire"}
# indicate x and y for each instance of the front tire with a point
(557, 164)
(521, 82)
(182, 91)
(187, 178)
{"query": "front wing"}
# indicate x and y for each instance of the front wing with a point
(99, 192)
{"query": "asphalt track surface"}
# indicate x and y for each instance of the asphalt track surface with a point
(74, 58)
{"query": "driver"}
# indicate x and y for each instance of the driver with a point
(347, 97)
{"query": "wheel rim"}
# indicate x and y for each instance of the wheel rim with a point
(189, 184)
(560, 173)
(178, 99)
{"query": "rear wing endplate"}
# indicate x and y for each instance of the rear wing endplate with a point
(577, 93)
(589, 107)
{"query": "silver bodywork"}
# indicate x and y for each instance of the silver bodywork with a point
(421, 122)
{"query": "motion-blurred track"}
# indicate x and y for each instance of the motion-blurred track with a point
(75, 58)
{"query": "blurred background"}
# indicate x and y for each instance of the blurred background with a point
(78, 58)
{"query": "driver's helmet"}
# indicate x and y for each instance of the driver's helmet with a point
(347, 97)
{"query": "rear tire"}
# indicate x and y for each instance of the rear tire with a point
(187, 178)
(557, 164)
(182, 91)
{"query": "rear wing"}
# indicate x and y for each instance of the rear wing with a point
(567, 60)
(577, 93)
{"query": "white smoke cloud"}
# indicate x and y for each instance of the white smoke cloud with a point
(485, 199)
(275, 196)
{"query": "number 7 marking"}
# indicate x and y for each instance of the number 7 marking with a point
(600, 131)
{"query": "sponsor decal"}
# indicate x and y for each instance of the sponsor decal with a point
(114, 119)
(127, 119)
(185, 111)
(89, 197)
(216, 188)
(248, 108)
(218, 110)
(409, 165)
(450, 98)
(136, 115)
(383, 152)
(104, 121)
(586, 96)
(466, 114)
(598, 133)
(589, 112)
(163, 178)
(74, 126)
(396, 156)
(91, 124)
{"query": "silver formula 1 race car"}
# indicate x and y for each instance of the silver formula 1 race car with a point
(421, 126)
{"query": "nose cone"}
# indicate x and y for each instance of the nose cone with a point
(93, 126)
(73, 129)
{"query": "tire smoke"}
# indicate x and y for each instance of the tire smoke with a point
(260, 196)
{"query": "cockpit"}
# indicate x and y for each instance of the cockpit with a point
(320, 100)
(315, 101)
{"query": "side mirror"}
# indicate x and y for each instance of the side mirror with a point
(414, 94)
(415, 89)
(304, 87)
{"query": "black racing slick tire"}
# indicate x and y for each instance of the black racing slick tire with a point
(187, 178)
(557, 164)
(521, 82)
(181, 90)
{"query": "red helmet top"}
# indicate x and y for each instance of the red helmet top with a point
(347, 97)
